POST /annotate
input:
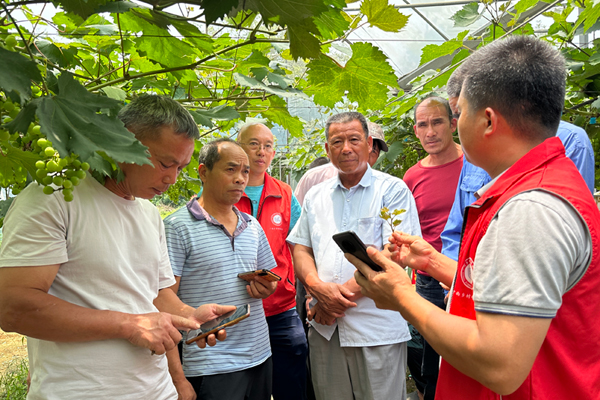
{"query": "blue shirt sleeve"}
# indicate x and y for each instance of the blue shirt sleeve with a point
(296, 210)
(471, 179)
(579, 149)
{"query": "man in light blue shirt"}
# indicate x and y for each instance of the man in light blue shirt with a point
(577, 147)
(356, 350)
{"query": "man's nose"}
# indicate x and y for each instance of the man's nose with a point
(171, 176)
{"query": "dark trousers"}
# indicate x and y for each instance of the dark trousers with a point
(430, 289)
(249, 384)
(290, 349)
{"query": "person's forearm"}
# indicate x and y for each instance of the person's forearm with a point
(305, 268)
(34, 313)
(352, 286)
(168, 301)
(479, 350)
(442, 268)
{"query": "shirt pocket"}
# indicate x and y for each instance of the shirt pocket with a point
(473, 182)
(369, 231)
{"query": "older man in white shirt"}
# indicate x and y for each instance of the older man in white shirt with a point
(356, 349)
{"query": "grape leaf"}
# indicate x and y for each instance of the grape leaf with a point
(115, 93)
(383, 15)
(63, 56)
(5, 205)
(72, 123)
(524, 5)
(25, 117)
(468, 15)
(16, 73)
(331, 23)
(279, 114)
(252, 83)
(15, 162)
(433, 51)
(213, 10)
(118, 7)
(83, 8)
(221, 113)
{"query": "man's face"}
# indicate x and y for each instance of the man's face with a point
(433, 128)
(257, 141)
(169, 153)
(348, 148)
(374, 154)
(227, 180)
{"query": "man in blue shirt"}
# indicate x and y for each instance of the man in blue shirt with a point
(577, 147)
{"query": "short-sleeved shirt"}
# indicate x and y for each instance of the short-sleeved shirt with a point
(313, 177)
(113, 256)
(330, 208)
(208, 259)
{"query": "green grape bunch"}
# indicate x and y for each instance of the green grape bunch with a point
(391, 218)
(56, 173)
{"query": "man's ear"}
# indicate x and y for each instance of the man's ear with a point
(327, 150)
(492, 120)
(370, 141)
(453, 124)
(202, 173)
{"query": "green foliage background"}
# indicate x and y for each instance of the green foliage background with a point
(233, 61)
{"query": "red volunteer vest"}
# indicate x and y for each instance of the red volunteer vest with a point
(273, 214)
(568, 364)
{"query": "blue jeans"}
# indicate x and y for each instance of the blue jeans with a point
(290, 349)
(430, 289)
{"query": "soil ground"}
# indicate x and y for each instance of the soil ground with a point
(12, 346)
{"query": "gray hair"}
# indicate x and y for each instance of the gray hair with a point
(434, 100)
(454, 84)
(345, 117)
(144, 115)
(209, 153)
(521, 77)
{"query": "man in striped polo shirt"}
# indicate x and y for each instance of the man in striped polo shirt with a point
(210, 242)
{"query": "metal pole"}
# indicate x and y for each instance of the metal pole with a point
(423, 5)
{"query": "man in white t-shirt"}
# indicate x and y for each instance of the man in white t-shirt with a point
(85, 279)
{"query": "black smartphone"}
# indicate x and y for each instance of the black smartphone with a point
(263, 273)
(214, 325)
(350, 243)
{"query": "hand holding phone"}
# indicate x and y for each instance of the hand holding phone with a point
(263, 273)
(214, 325)
(350, 243)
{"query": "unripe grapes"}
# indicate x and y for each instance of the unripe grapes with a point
(9, 106)
(47, 180)
(76, 163)
(41, 173)
(49, 151)
(75, 180)
(67, 184)
(43, 143)
(39, 164)
(16, 190)
(80, 174)
(36, 130)
(10, 41)
(48, 190)
(85, 166)
(68, 196)
(52, 166)
(58, 180)
(63, 163)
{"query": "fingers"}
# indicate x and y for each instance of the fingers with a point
(346, 293)
(184, 323)
(400, 238)
(260, 288)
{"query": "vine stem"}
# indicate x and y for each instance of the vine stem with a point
(190, 66)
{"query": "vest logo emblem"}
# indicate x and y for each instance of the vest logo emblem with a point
(276, 219)
(466, 274)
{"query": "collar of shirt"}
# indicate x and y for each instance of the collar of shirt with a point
(200, 214)
(365, 181)
(486, 187)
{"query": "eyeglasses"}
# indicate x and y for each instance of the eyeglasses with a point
(256, 146)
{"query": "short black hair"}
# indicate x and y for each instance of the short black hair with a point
(209, 153)
(521, 77)
(346, 117)
(318, 162)
(145, 114)
(454, 84)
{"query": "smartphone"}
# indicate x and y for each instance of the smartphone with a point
(214, 325)
(350, 243)
(263, 273)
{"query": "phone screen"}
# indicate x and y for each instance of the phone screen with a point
(226, 319)
(350, 243)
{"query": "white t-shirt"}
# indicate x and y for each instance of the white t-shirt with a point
(113, 256)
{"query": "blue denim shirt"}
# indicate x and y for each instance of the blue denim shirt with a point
(577, 147)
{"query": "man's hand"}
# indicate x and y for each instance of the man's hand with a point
(386, 287)
(260, 288)
(185, 390)
(319, 315)
(206, 312)
(411, 251)
(157, 331)
(333, 298)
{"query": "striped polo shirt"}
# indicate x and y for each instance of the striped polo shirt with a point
(208, 259)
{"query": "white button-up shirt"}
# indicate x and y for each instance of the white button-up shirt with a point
(330, 208)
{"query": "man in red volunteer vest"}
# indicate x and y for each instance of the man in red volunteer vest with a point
(523, 312)
(271, 202)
